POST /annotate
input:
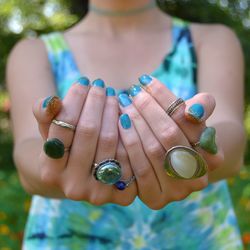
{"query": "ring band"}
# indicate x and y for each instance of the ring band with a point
(64, 124)
(174, 106)
(183, 162)
(122, 184)
(108, 171)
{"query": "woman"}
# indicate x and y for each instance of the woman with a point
(80, 159)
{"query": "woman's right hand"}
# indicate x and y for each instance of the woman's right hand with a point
(95, 139)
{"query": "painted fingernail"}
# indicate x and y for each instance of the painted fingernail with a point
(110, 91)
(145, 79)
(125, 121)
(98, 83)
(54, 148)
(52, 104)
(124, 100)
(83, 81)
(134, 90)
(196, 112)
(122, 91)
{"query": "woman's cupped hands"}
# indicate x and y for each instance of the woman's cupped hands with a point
(106, 147)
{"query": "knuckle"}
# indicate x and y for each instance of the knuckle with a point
(48, 177)
(155, 150)
(97, 199)
(157, 205)
(142, 171)
(144, 102)
(126, 202)
(201, 184)
(181, 195)
(73, 192)
(131, 144)
(171, 135)
(108, 141)
(67, 117)
(87, 129)
(96, 94)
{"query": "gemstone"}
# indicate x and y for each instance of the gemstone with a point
(183, 162)
(54, 148)
(108, 172)
(207, 140)
(121, 185)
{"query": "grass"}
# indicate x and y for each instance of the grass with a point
(15, 202)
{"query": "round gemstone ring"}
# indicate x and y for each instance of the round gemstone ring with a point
(184, 163)
(108, 171)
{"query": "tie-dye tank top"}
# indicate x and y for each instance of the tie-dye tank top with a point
(203, 221)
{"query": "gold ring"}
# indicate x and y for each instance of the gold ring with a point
(64, 124)
(174, 106)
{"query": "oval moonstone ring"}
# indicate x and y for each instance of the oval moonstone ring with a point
(184, 163)
(108, 171)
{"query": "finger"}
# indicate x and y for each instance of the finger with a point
(81, 159)
(71, 109)
(151, 146)
(44, 111)
(148, 186)
(198, 108)
(124, 197)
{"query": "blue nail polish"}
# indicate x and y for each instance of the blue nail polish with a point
(110, 91)
(134, 90)
(83, 81)
(125, 121)
(47, 101)
(196, 111)
(145, 79)
(122, 91)
(124, 100)
(98, 83)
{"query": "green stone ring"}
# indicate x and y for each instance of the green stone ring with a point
(54, 148)
(108, 171)
(182, 162)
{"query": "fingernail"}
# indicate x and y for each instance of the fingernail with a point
(145, 79)
(98, 83)
(52, 104)
(125, 121)
(54, 148)
(207, 140)
(124, 100)
(122, 91)
(83, 81)
(134, 90)
(196, 111)
(110, 91)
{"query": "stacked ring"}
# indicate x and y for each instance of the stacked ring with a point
(182, 162)
(122, 184)
(54, 148)
(64, 124)
(174, 106)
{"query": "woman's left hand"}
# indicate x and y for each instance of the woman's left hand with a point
(152, 132)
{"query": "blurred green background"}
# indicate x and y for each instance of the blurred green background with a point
(22, 18)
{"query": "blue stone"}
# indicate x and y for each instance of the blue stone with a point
(121, 185)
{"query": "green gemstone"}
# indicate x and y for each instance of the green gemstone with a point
(207, 140)
(108, 173)
(54, 148)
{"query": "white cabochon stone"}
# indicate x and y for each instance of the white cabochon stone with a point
(183, 162)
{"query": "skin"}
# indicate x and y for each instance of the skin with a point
(96, 138)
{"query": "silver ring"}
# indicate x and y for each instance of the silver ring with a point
(174, 106)
(108, 171)
(122, 184)
(64, 124)
(183, 162)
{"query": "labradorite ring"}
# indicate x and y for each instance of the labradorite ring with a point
(182, 162)
(174, 106)
(54, 148)
(108, 171)
(64, 124)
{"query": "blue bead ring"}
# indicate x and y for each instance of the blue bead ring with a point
(122, 184)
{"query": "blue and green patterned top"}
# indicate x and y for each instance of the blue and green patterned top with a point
(203, 221)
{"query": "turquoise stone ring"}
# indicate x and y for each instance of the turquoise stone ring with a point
(108, 171)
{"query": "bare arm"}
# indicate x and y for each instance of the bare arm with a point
(221, 73)
(29, 78)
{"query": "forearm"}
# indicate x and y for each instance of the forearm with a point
(26, 156)
(231, 138)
